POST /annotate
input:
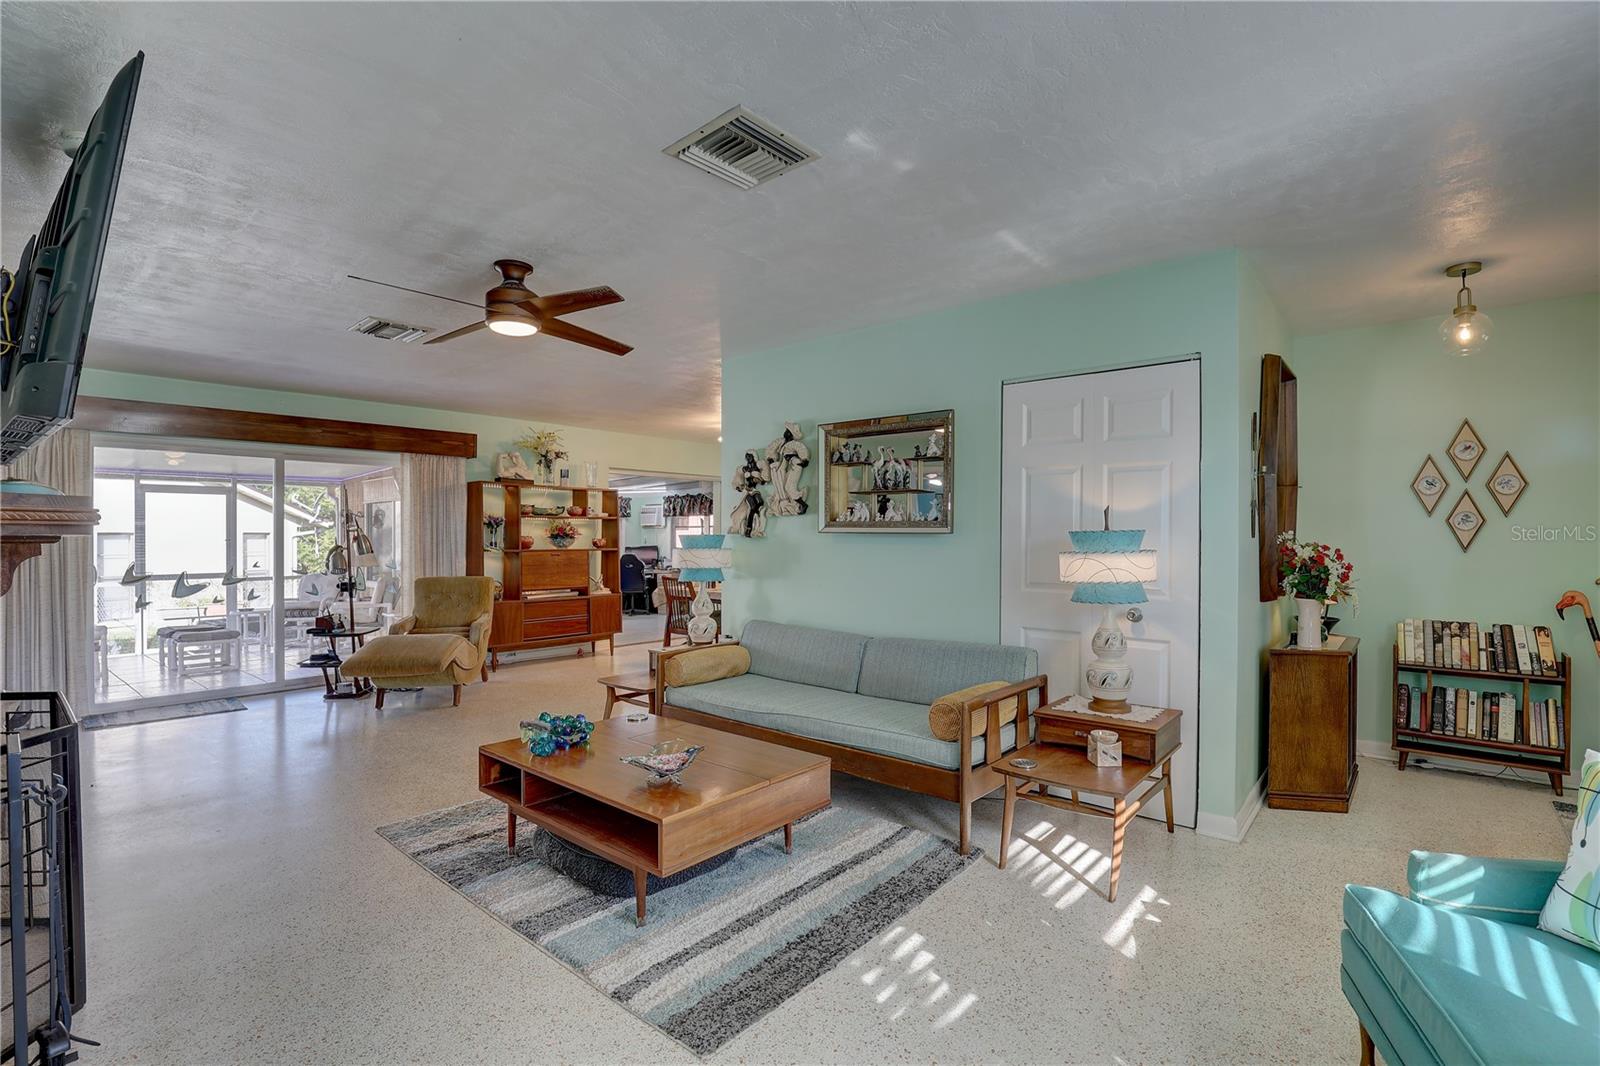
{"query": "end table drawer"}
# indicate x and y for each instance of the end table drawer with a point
(1139, 742)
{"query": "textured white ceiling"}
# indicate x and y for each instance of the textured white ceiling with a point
(967, 150)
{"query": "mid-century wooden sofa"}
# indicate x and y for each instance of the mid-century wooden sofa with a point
(865, 702)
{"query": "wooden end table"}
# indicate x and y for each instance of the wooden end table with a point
(637, 689)
(737, 790)
(1129, 787)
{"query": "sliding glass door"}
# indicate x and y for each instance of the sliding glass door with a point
(212, 564)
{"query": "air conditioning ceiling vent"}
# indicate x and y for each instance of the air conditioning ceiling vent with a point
(741, 149)
(388, 331)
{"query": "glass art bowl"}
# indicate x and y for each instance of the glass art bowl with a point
(665, 761)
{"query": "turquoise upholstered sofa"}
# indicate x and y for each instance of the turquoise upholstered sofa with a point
(862, 701)
(1460, 973)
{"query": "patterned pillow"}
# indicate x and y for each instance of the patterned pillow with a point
(1573, 909)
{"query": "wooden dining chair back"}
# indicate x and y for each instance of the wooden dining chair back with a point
(679, 594)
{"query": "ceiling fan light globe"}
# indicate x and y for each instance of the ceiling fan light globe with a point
(513, 327)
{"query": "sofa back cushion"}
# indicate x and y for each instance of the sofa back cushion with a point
(920, 671)
(822, 657)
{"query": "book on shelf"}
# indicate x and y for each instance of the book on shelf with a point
(1470, 714)
(1506, 648)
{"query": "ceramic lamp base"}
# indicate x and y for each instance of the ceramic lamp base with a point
(1109, 676)
(702, 627)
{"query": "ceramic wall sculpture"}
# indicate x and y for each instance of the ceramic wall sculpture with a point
(787, 458)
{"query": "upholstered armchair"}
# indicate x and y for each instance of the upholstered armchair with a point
(444, 641)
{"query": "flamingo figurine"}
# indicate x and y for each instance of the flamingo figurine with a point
(1574, 598)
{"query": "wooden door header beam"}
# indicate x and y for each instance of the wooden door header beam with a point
(216, 423)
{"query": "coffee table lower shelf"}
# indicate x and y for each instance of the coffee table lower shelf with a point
(644, 845)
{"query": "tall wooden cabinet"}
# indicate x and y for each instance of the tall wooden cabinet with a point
(1311, 726)
(549, 596)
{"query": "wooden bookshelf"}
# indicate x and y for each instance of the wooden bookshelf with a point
(1552, 761)
(578, 614)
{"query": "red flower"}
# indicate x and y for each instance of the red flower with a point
(1339, 554)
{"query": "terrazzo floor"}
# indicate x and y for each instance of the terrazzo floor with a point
(241, 909)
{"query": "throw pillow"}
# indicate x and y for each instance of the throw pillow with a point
(710, 663)
(1573, 909)
(944, 717)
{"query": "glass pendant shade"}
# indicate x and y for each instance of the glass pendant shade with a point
(1466, 331)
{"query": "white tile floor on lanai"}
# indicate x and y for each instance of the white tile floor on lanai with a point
(241, 909)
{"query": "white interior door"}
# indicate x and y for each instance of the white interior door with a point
(1128, 440)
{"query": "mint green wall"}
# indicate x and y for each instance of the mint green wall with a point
(948, 585)
(634, 533)
(627, 450)
(1375, 402)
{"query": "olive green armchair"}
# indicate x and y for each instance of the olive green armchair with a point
(444, 641)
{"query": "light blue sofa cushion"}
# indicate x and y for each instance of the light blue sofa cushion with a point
(920, 671)
(1476, 989)
(1507, 890)
(806, 656)
(868, 723)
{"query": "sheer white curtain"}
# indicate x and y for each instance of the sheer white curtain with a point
(46, 618)
(433, 501)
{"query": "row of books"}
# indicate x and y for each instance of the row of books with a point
(1467, 713)
(1507, 649)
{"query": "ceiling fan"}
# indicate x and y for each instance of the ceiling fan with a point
(513, 310)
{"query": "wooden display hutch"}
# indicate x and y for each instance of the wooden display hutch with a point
(1551, 761)
(569, 606)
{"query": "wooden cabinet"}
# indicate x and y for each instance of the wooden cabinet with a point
(1311, 726)
(572, 610)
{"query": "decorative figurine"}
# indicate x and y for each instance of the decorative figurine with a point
(750, 514)
(856, 512)
(787, 459)
(935, 448)
(512, 467)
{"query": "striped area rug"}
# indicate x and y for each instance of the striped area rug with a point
(718, 951)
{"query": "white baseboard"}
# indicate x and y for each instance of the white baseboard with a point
(1234, 829)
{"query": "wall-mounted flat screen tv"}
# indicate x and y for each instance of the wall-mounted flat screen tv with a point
(52, 295)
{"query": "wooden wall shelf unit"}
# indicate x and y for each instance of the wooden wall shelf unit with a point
(1311, 726)
(566, 609)
(1553, 762)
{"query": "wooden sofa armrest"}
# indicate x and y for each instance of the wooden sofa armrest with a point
(668, 653)
(990, 703)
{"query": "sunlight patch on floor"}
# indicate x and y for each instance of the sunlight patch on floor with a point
(898, 971)
(1120, 935)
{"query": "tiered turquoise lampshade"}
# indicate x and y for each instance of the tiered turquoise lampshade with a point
(1108, 566)
(702, 557)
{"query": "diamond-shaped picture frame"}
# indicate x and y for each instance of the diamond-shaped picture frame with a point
(1466, 449)
(1466, 520)
(1507, 483)
(1429, 485)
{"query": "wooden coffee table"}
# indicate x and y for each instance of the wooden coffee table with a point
(738, 789)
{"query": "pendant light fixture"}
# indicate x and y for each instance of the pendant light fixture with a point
(1467, 329)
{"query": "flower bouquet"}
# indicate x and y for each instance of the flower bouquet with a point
(492, 525)
(1314, 574)
(562, 533)
(545, 444)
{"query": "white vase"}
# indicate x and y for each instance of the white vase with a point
(1310, 632)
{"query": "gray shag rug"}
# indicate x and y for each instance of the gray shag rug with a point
(141, 715)
(719, 950)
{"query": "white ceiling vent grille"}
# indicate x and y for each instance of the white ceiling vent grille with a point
(388, 331)
(741, 149)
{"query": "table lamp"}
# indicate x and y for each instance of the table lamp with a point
(1109, 568)
(700, 559)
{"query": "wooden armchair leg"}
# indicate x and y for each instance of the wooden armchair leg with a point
(966, 823)
(1368, 1053)
(456, 702)
(379, 705)
(484, 670)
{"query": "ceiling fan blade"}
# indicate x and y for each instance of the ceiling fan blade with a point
(555, 327)
(419, 292)
(462, 332)
(563, 303)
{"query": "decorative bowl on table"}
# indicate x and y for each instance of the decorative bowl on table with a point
(665, 761)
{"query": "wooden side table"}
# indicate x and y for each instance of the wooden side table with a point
(1311, 726)
(637, 689)
(1129, 787)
